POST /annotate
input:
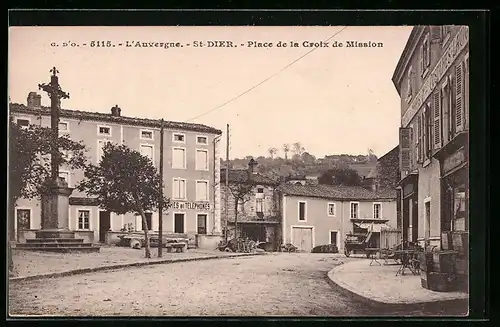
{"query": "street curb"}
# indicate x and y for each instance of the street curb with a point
(127, 265)
(378, 303)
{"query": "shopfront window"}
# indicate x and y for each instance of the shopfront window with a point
(459, 213)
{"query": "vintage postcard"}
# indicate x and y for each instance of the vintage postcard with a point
(238, 171)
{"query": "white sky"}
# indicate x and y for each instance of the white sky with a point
(334, 100)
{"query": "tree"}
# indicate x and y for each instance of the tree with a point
(125, 181)
(298, 148)
(371, 156)
(308, 158)
(340, 176)
(286, 149)
(241, 193)
(272, 152)
(29, 164)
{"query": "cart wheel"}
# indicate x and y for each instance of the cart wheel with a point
(347, 253)
(228, 250)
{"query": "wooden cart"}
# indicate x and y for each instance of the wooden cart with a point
(357, 243)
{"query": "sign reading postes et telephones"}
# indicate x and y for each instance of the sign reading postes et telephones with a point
(201, 206)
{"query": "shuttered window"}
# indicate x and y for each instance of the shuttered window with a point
(459, 101)
(437, 119)
(179, 188)
(466, 93)
(404, 148)
(409, 86)
(436, 34)
(418, 139)
(201, 191)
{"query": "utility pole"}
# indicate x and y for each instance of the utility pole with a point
(160, 205)
(226, 194)
(216, 140)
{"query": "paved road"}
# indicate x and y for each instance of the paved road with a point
(274, 284)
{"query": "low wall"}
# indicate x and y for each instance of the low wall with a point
(207, 242)
(113, 238)
(23, 235)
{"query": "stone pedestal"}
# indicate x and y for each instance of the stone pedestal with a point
(55, 204)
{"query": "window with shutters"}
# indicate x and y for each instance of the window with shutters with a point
(178, 158)
(179, 188)
(428, 130)
(409, 86)
(459, 98)
(437, 139)
(404, 148)
(436, 34)
(201, 190)
(147, 150)
(418, 139)
(201, 159)
(466, 92)
(259, 205)
(425, 56)
(100, 149)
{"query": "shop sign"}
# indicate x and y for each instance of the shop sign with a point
(455, 160)
(200, 206)
(456, 46)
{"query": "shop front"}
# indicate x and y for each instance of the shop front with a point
(454, 186)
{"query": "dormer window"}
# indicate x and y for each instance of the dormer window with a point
(260, 190)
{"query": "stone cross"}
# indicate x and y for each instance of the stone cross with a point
(55, 92)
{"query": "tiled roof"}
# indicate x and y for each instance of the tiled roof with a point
(241, 176)
(339, 192)
(393, 151)
(103, 117)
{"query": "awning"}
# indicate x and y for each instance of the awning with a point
(363, 225)
(373, 227)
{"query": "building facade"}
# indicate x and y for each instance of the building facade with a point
(432, 78)
(252, 201)
(323, 214)
(191, 166)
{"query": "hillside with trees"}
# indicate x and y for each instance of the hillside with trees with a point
(294, 160)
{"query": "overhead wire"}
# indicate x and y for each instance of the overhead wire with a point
(264, 80)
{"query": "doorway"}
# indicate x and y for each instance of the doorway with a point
(333, 238)
(179, 223)
(202, 223)
(104, 225)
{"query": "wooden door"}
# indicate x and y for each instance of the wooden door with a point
(302, 238)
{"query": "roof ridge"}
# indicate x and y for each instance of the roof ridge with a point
(108, 117)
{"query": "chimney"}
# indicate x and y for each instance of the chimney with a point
(116, 111)
(34, 100)
(251, 168)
